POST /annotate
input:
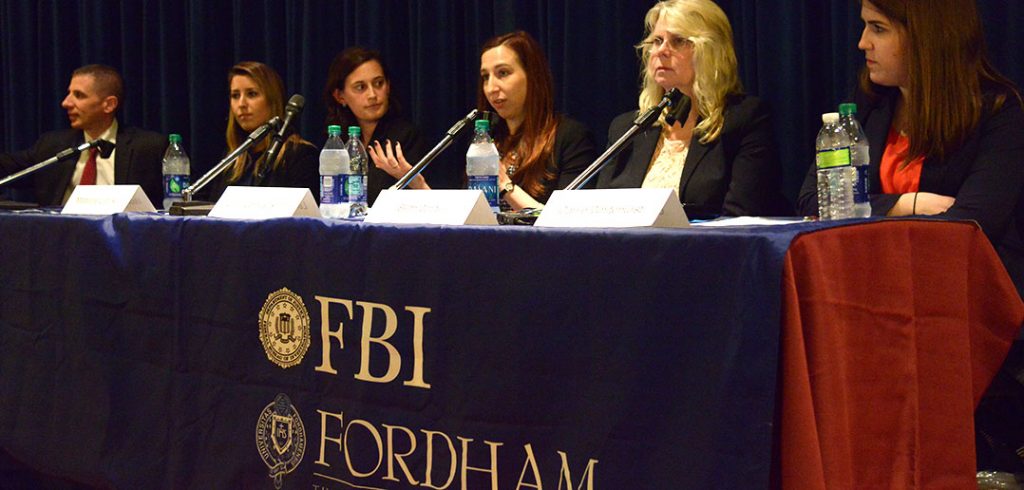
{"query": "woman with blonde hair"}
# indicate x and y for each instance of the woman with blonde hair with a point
(721, 157)
(256, 96)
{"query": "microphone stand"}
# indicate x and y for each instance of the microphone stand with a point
(430, 156)
(61, 156)
(641, 123)
(254, 137)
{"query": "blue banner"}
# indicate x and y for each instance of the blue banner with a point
(164, 352)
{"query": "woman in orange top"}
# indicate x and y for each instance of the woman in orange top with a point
(946, 129)
(947, 139)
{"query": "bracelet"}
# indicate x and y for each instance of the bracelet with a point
(914, 209)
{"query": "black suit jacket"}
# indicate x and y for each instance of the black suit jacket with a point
(572, 152)
(137, 160)
(985, 175)
(737, 174)
(299, 167)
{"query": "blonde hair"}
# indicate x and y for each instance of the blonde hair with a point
(270, 85)
(704, 25)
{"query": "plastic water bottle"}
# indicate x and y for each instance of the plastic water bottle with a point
(333, 166)
(836, 174)
(176, 169)
(355, 178)
(859, 156)
(482, 164)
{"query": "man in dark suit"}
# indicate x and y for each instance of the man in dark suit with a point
(94, 95)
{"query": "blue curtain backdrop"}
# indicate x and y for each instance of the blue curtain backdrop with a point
(799, 55)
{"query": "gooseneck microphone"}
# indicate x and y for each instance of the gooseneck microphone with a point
(674, 98)
(291, 111)
(441, 146)
(679, 111)
(105, 147)
(254, 137)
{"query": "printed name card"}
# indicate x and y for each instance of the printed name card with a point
(435, 207)
(614, 208)
(107, 199)
(240, 202)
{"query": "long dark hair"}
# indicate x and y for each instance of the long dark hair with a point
(537, 133)
(947, 64)
(343, 65)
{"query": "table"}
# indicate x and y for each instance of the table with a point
(166, 352)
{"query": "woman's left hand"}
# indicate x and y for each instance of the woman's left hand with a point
(393, 162)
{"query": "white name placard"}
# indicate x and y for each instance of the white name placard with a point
(435, 207)
(614, 208)
(107, 199)
(241, 202)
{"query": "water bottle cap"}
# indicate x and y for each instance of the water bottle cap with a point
(334, 130)
(174, 138)
(356, 130)
(482, 124)
(847, 109)
(830, 117)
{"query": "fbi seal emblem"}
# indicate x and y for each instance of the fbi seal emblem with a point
(284, 328)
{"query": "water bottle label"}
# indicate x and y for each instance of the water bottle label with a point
(839, 157)
(861, 186)
(489, 185)
(355, 191)
(174, 184)
(330, 189)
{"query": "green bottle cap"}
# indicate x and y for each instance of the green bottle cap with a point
(355, 130)
(334, 130)
(482, 124)
(847, 109)
(174, 138)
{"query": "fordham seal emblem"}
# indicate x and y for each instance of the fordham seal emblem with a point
(280, 438)
(284, 328)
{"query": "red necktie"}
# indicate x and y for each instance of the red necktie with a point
(89, 172)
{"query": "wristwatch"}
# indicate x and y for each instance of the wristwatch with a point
(506, 189)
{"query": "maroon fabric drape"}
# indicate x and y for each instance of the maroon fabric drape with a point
(891, 333)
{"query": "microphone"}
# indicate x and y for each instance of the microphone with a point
(441, 146)
(292, 110)
(254, 137)
(105, 147)
(679, 111)
(672, 99)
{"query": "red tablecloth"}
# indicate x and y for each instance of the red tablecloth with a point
(885, 355)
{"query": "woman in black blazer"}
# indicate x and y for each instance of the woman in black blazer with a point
(359, 93)
(947, 138)
(721, 156)
(541, 151)
(257, 95)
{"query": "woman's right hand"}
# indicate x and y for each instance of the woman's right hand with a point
(392, 161)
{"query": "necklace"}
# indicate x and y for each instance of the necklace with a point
(513, 163)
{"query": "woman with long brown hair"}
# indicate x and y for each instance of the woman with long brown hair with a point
(541, 151)
(256, 96)
(947, 139)
(946, 129)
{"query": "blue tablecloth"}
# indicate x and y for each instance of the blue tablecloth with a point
(131, 353)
